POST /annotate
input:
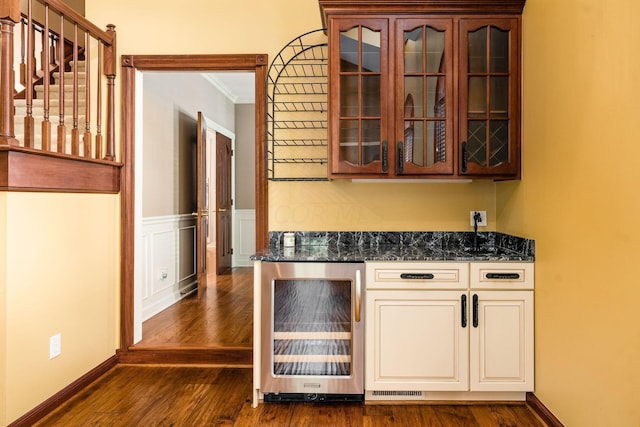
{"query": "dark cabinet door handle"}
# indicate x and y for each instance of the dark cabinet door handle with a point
(416, 276)
(463, 166)
(463, 303)
(400, 158)
(475, 310)
(385, 156)
(511, 276)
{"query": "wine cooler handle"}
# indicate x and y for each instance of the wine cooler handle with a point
(358, 295)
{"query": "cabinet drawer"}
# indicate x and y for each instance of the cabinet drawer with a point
(502, 275)
(416, 275)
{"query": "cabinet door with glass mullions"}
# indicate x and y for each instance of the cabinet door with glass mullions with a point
(424, 96)
(489, 97)
(359, 80)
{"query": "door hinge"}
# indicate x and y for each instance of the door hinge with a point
(231, 251)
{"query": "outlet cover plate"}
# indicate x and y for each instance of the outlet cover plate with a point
(55, 346)
(483, 218)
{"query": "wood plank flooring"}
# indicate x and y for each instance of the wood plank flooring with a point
(201, 395)
(222, 318)
(133, 395)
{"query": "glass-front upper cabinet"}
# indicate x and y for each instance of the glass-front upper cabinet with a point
(424, 111)
(358, 124)
(419, 91)
(489, 98)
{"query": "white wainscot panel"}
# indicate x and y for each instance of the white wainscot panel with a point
(169, 267)
(244, 237)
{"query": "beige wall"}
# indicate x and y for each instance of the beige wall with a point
(3, 304)
(245, 156)
(61, 275)
(343, 205)
(579, 199)
(170, 102)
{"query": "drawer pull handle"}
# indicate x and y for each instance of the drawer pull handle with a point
(463, 302)
(416, 276)
(511, 276)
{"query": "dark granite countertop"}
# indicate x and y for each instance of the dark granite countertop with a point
(333, 246)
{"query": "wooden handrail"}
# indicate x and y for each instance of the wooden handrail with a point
(108, 38)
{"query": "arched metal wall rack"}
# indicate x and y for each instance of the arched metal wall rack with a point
(297, 110)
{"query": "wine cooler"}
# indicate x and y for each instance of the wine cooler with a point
(312, 331)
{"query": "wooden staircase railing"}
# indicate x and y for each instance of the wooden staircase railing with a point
(62, 106)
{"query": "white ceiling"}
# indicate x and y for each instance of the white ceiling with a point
(239, 86)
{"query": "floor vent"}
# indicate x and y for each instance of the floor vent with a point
(395, 394)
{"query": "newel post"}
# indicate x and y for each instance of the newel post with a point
(9, 16)
(110, 73)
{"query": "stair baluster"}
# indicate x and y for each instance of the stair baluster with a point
(110, 72)
(46, 68)
(62, 129)
(9, 16)
(75, 132)
(98, 149)
(28, 118)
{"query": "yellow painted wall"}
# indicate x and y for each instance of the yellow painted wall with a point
(579, 199)
(61, 277)
(580, 79)
(3, 307)
(268, 28)
(342, 205)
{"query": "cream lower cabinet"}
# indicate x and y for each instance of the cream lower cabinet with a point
(442, 327)
(415, 341)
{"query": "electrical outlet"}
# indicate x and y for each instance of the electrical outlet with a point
(55, 346)
(483, 218)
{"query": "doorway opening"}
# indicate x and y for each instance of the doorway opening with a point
(133, 66)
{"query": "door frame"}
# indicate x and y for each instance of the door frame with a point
(130, 65)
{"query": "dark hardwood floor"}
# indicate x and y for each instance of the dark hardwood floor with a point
(222, 318)
(202, 395)
(134, 395)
